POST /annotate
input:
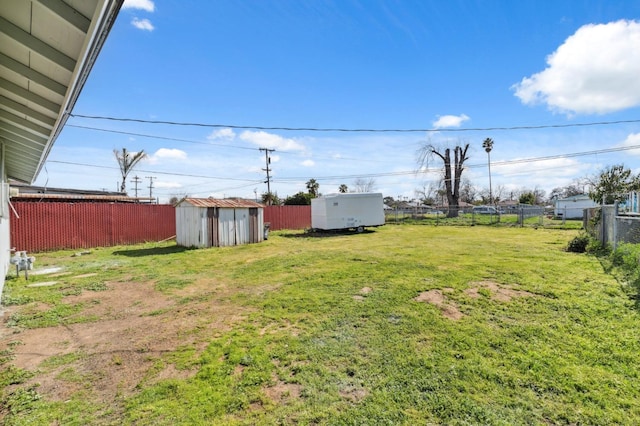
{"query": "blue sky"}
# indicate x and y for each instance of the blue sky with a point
(444, 66)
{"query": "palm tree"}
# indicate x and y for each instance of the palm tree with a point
(343, 189)
(127, 161)
(488, 146)
(313, 186)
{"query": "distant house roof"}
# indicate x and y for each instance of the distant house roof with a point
(81, 198)
(575, 198)
(23, 192)
(24, 188)
(226, 203)
(461, 204)
(508, 203)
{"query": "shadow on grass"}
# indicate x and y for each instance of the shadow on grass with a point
(328, 234)
(152, 251)
(629, 284)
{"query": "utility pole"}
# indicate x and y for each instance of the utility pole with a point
(136, 180)
(151, 178)
(268, 181)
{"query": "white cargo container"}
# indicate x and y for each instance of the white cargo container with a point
(573, 207)
(347, 211)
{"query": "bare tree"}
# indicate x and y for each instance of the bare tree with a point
(177, 197)
(127, 161)
(468, 192)
(363, 185)
(343, 189)
(497, 193)
(452, 172)
(428, 194)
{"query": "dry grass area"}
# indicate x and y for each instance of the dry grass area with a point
(132, 325)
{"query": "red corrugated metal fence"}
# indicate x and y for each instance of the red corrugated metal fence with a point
(51, 226)
(288, 217)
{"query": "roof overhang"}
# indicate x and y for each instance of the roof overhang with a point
(47, 49)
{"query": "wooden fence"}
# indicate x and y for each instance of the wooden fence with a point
(44, 226)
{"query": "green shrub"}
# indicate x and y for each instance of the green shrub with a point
(579, 244)
(626, 259)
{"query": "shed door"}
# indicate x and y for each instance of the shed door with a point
(212, 227)
(254, 236)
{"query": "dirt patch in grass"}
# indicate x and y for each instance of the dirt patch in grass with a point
(499, 292)
(132, 327)
(281, 392)
(286, 326)
(437, 298)
(353, 393)
(364, 291)
(496, 292)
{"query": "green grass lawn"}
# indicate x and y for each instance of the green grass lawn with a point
(406, 324)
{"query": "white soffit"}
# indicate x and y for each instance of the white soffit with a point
(47, 49)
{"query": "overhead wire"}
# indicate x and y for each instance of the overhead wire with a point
(381, 174)
(354, 130)
(231, 146)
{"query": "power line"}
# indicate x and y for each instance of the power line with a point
(143, 135)
(382, 174)
(347, 130)
(191, 141)
(149, 171)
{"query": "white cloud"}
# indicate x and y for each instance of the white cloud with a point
(142, 24)
(166, 185)
(308, 163)
(449, 121)
(146, 5)
(632, 140)
(269, 140)
(544, 174)
(595, 71)
(167, 153)
(226, 134)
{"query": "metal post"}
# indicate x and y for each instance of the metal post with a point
(615, 224)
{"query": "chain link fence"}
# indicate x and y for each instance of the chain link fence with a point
(522, 215)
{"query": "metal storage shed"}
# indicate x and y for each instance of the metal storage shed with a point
(209, 222)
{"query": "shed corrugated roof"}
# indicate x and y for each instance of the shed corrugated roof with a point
(212, 202)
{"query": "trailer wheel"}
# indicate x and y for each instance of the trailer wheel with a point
(360, 229)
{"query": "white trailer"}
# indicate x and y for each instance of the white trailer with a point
(347, 211)
(573, 207)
